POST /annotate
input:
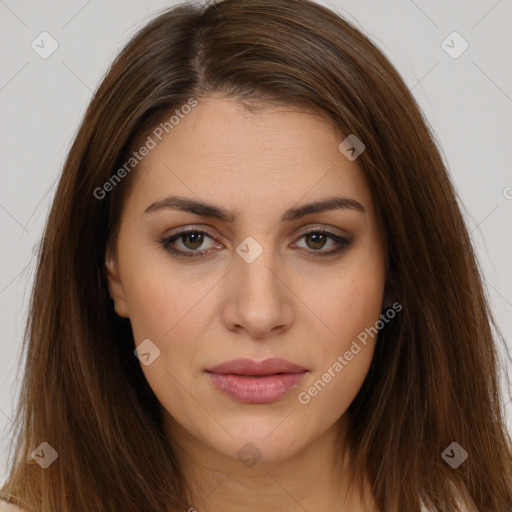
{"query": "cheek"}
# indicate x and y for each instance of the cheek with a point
(329, 393)
(170, 320)
(161, 299)
(350, 307)
(345, 353)
(166, 308)
(174, 320)
(350, 304)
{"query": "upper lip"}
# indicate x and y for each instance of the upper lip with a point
(270, 366)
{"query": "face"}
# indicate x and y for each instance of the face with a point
(241, 270)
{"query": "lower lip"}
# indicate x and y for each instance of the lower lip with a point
(256, 390)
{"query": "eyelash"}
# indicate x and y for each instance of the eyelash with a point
(166, 242)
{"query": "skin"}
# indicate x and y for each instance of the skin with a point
(288, 303)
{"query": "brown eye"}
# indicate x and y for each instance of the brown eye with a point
(187, 243)
(196, 239)
(318, 239)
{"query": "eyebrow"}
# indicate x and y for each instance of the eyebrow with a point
(209, 210)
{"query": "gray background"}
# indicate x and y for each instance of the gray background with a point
(467, 101)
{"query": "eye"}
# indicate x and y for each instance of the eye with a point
(186, 243)
(190, 241)
(316, 239)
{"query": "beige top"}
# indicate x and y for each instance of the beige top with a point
(7, 507)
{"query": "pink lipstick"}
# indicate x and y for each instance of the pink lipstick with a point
(256, 382)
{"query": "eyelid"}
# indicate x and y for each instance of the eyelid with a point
(327, 229)
(187, 229)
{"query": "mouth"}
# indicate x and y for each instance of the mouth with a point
(254, 382)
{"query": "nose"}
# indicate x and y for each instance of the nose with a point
(257, 297)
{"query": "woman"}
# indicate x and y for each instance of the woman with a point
(255, 290)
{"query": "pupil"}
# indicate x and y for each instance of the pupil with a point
(195, 243)
(319, 239)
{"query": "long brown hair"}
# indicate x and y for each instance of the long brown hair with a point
(433, 379)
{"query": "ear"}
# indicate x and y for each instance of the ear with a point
(115, 286)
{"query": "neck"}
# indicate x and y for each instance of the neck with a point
(313, 479)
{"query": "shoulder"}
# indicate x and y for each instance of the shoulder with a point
(8, 507)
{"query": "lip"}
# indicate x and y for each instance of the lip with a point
(256, 382)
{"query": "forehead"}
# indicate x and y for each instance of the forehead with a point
(222, 152)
